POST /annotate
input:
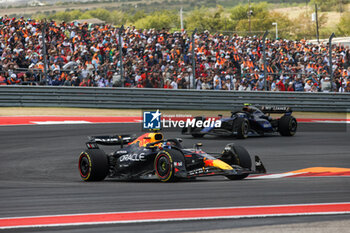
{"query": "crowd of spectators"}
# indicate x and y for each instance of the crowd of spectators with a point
(88, 55)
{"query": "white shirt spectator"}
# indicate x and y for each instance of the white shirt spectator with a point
(198, 83)
(137, 78)
(341, 89)
(241, 87)
(273, 86)
(205, 86)
(326, 85)
(228, 85)
(173, 84)
(307, 87)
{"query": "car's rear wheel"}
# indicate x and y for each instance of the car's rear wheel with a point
(241, 127)
(237, 155)
(287, 125)
(93, 165)
(163, 165)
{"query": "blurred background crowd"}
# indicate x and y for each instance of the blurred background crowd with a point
(81, 54)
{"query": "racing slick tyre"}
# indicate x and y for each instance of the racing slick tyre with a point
(287, 126)
(195, 131)
(93, 165)
(237, 155)
(241, 127)
(163, 165)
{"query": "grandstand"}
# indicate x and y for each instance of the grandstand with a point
(82, 54)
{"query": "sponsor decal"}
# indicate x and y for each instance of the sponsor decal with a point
(132, 157)
(121, 152)
(198, 171)
(178, 164)
(106, 140)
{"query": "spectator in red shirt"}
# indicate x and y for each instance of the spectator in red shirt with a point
(290, 86)
(280, 85)
(3, 80)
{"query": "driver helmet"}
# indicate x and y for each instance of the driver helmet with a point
(166, 144)
(247, 108)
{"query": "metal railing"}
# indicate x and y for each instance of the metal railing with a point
(133, 98)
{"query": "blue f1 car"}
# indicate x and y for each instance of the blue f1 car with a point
(250, 121)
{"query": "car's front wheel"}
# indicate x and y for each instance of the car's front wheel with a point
(164, 166)
(237, 155)
(241, 127)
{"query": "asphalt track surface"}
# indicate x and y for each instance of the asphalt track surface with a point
(39, 176)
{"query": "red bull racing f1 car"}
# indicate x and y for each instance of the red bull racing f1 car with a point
(150, 155)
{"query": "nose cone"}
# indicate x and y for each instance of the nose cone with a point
(217, 163)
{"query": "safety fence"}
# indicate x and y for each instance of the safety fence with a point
(133, 98)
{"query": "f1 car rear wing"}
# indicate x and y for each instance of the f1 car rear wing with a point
(276, 109)
(111, 140)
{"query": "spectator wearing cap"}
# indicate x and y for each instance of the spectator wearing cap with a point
(217, 84)
(181, 82)
(280, 85)
(342, 88)
(314, 88)
(308, 85)
(290, 86)
(13, 80)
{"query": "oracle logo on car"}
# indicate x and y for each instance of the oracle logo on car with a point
(132, 157)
